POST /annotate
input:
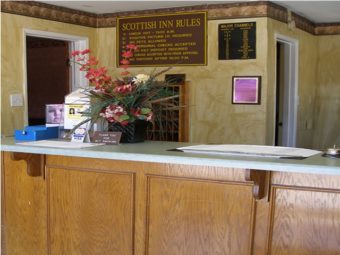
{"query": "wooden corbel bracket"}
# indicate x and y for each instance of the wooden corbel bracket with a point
(258, 177)
(35, 162)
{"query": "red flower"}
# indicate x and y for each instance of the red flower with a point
(117, 94)
(123, 89)
(85, 51)
(131, 46)
(107, 78)
(92, 61)
(127, 54)
(75, 53)
(124, 123)
(125, 73)
(135, 112)
(125, 62)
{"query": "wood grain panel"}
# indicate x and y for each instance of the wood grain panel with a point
(306, 180)
(198, 217)
(90, 213)
(304, 222)
(203, 172)
(25, 210)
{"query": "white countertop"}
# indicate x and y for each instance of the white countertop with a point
(158, 152)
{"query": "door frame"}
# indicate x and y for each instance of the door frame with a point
(291, 99)
(77, 78)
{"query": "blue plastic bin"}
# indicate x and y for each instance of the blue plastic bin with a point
(33, 133)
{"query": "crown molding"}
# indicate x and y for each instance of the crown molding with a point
(328, 29)
(49, 12)
(215, 12)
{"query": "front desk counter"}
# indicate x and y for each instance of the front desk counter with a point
(138, 199)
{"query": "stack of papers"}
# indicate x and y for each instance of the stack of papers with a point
(250, 150)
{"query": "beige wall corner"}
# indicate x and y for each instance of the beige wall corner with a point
(12, 61)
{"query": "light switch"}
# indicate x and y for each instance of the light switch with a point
(16, 100)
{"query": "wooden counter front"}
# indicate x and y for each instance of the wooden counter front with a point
(99, 206)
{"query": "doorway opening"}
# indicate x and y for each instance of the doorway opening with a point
(286, 91)
(49, 74)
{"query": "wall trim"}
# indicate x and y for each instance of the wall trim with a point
(215, 12)
(49, 12)
(291, 98)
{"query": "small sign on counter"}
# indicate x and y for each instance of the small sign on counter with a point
(106, 137)
(79, 135)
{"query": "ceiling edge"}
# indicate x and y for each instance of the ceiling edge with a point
(215, 12)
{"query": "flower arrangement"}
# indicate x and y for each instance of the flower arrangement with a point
(121, 100)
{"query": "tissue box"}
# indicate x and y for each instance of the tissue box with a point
(33, 133)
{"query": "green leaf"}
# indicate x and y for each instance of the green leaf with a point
(145, 111)
(124, 117)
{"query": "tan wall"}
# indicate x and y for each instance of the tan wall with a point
(213, 119)
(327, 114)
(12, 59)
(307, 80)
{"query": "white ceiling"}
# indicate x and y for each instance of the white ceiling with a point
(315, 11)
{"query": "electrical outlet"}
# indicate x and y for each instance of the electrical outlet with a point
(16, 100)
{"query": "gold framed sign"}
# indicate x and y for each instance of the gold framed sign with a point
(178, 39)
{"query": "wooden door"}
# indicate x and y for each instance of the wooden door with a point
(90, 212)
(304, 215)
(304, 222)
(24, 210)
(188, 216)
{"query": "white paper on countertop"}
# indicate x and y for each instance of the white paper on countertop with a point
(60, 144)
(250, 150)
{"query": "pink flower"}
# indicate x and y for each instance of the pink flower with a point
(127, 54)
(113, 113)
(124, 123)
(138, 113)
(135, 112)
(131, 46)
(85, 51)
(75, 53)
(92, 61)
(125, 66)
(123, 98)
(125, 62)
(123, 89)
(125, 73)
